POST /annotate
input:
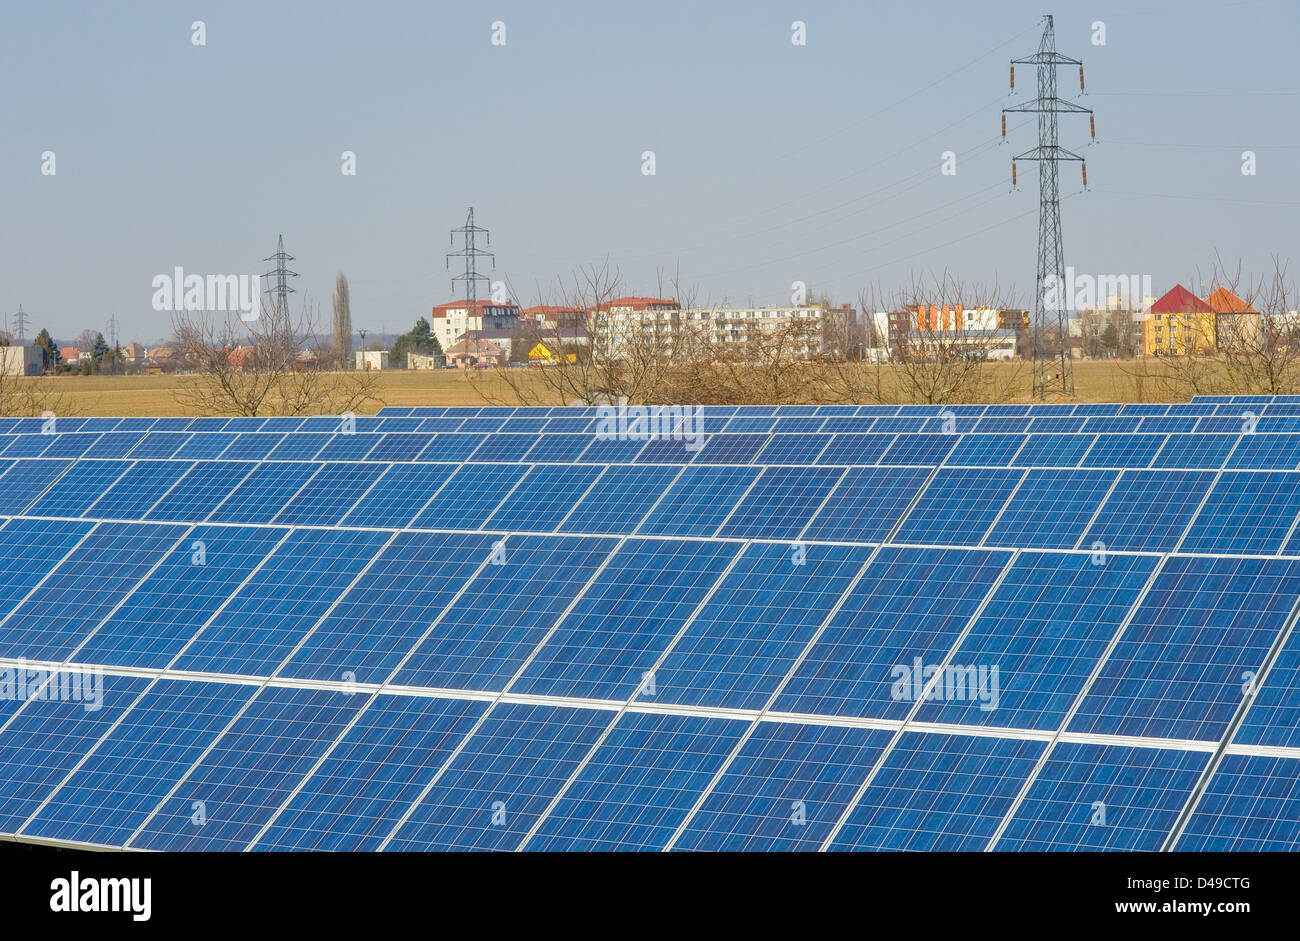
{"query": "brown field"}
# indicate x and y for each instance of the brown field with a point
(1096, 381)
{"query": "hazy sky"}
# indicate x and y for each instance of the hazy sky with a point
(774, 162)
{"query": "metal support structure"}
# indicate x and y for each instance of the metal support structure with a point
(1053, 366)
(470, 251)
(279, 289)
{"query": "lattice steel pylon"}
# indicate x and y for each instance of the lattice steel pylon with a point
(1053, 366)
(471, 253)
(280, 289)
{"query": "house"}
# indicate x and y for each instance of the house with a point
(71, 355)
(22, 360)
(471, 352)
(454, 319)
(1235, 321)
(367, 360)
(424, 361)
(1180, 323)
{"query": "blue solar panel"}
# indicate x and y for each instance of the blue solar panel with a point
(890, 618)
(451, 447)
(195, 579)
(263, 493)
(398, 495)
(205, 485)
(137, 490)
(958, 506)
(781, 503)
(1201, 632)
(1271, 452)
(85, 587)
(866, 503)
(544, 497)
(381, 617)
(504, 447)
(993, 450)
(25, 483)
(939, 792)
(1054, 450)
(133, 766)
(29, 549)
(919, 449)
(348, 447)
(784, 790)
(649, 588)
(1102, 797)
(1251, 804)
(274, 609)
(855, 449)
(1207, 452)
(731, 449)
(47, 737)
(470, 496)
(253, 446)
(792, 449)
(329, 495)
(1133, 450)
(639, 784)
(484, 637)
(620, 499)
(74, 492)
(497, 787)
(747, 637)
(1030, 653)
(698, 502)
(250, 770)
(1148, 510)
(369, 779)
(1051, 508)
(1246, 511)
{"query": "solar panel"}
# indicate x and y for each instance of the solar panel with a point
(791, 634)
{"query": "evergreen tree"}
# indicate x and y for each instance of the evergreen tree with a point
(50, 356)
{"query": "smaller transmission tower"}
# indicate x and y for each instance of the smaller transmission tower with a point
(279, 289)
(470, 251)
(1053, 368)
(20, 325)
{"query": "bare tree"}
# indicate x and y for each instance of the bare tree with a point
(945, 345)
(273, 365)
(1248, 345)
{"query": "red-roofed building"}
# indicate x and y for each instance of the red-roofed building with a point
(71, 355)
(1180, 322)
(455, 319)
(1235, 321)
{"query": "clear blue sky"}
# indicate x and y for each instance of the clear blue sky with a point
(774, 162)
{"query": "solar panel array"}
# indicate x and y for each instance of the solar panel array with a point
(805, 627)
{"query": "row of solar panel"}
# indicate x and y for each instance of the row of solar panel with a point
(591, 617)
(1204, 405)
(1245, 512)
(750, 424)
(406, 773)
(1128, 645)
(1200, 451)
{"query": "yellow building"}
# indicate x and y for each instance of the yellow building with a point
(1180, 323)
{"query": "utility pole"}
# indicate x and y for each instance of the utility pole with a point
(471, 253)
(1053, 369)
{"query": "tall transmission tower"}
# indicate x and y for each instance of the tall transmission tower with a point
(112, 338)
(279, 289)
(1053, 367)
(470, 251)
(20, 325)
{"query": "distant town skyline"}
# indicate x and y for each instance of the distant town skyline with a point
(773, 162)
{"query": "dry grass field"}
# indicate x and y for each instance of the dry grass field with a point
(1096, 381)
